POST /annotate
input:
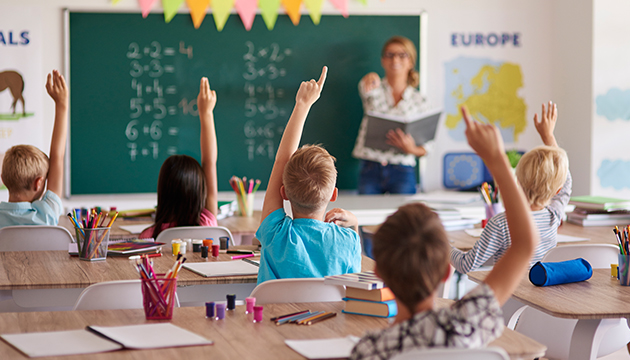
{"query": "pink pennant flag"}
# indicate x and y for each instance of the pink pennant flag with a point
(341, 5)
(246, 9)
(170, 9)
(145, 6)
(314, 9)
(269, 12)
(197, 11)
(293, 10)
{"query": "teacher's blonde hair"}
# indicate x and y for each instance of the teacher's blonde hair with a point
(413, 78)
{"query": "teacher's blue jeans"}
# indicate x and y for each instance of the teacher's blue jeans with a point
(394, 179)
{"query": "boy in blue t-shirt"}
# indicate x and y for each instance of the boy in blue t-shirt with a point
(314, 243)
(27, 171)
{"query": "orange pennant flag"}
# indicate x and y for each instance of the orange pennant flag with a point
(341, 5)
(197, 11)
(145, 6)
(246, 9)
(293, 10)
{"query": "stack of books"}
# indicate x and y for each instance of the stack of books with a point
(365, 294)
(599, 211)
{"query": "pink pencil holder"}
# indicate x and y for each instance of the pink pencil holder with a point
(493, 209)
(158, 298)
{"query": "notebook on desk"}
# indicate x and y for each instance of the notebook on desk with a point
(222, 268)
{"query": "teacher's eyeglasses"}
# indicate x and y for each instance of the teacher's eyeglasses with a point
(400, 55)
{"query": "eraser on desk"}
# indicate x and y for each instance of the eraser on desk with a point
(563, 272)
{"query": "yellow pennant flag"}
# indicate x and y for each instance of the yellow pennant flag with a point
(314, 9)
(364, 2)
(170, 9)
(197, 11)
(221, 12)
(114, 2)
(269, 12)
(293, 10)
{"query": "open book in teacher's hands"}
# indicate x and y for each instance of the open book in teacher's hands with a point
(421, 127)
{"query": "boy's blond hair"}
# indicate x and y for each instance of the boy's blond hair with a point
(541, 172)
(412, 252)
(309, 178)
(22, 165)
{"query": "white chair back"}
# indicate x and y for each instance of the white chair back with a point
(600, 256)
(34, 238)
(194, 232)
(297, 291)
(111, 295)
(490, 353)
(556, 333)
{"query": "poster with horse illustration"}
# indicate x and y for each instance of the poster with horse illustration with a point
(21, 79)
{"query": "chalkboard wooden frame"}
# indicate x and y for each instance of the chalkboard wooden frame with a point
(103, 61)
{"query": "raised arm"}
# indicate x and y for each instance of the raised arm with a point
(510, 269)
(547, 124)
(306, 96)
(206, 100)
(58, 91)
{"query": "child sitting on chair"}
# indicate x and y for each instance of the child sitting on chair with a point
(411, 253)
(544, 176)
(314, 243)
(27, 171)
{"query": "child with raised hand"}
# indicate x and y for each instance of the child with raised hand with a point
(187, 192)
(544, 176)
(313, 243)
(27, 171)
(412, 257)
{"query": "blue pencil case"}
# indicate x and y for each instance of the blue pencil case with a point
(563, 272)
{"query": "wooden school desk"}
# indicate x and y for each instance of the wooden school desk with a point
(596, 234)
(54, 279)
(600, 297)
(235, 337)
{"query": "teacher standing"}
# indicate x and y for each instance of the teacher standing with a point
(396, 94)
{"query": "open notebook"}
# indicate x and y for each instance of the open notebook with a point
(96, 339)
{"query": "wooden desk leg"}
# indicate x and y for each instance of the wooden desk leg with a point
(587, 336)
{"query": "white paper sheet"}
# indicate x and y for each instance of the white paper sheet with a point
(58, 343)
(566, 238)
(222, 268)
(474, 232)
(151, 336)
(324, 348)
(447, 197)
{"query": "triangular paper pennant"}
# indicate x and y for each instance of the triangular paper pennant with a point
(197, 11)
(314, 9)
(341, 5)
(221, 12)
(293, 10)
(145, 6)
(170, 8)
(269, 12)
(246, 9)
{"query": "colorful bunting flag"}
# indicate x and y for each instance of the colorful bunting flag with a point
(197, 11)
(145, 6)
(246, 9)
(170, 9)
(269, 12)
(293, 10)
(341, 5)
(221, 12)
(314, 9)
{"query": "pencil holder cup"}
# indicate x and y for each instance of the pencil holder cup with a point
(92, 243)
(158, 298)
(493, 209)
(246, 205)
(624, 269)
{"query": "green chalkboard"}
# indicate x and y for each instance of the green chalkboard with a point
(134, 84)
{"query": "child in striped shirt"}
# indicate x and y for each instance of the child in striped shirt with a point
(544, 176)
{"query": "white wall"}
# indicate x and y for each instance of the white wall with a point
(555, 57)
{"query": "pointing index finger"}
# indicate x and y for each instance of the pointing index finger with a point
(322, 77)
(466, 116)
